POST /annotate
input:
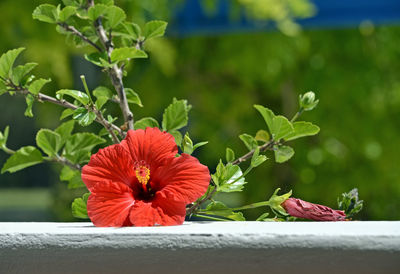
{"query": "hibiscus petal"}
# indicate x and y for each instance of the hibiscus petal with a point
(109, 204)
(182, 179)
(112, 163)
(150, 145)
(160, 211)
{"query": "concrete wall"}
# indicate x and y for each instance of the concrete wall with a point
(203, 247)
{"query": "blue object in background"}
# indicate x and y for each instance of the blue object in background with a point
(191, 19)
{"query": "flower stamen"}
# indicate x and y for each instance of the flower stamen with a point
(142, 172)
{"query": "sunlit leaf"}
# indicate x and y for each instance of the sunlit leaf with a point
(302, 129)
(22, 158)
(49, 141)
(154, 29)
(283, 154)
(7, 61)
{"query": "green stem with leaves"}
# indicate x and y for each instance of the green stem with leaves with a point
(114, 72)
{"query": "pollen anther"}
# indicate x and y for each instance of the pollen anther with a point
(142, 172)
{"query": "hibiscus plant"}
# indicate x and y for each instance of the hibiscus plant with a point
(142, 172)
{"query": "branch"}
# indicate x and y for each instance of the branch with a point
(100, 118)
(76, 32)
(58, 159)
(65, 161)
(114, 72)
(195, 206)
(264, 147)
(45, 98)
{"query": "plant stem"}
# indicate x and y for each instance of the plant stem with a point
(194, 207)
(64, 161)
(297, 115)
(7, 150)
(79, 34)
(209, 217)
(83, 79)
(250, 206)
(108, 126)
(45, 98)
(57, 159)
(114, 72)
(264, 147)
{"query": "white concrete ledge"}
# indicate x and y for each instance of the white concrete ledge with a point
(203, 247)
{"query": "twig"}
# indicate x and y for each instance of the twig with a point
(264, 147)
(114, 72)
(65, 161)
(194, 207)
(79, 34)
(108, 126)
(45, 98)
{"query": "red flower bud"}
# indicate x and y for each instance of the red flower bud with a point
(302, 209)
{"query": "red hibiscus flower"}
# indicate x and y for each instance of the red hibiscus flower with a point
(140, 182)
(302, 209)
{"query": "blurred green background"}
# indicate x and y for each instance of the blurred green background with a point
(354, 72)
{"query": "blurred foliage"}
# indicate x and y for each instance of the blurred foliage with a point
(354, 73)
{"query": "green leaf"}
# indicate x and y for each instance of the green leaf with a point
(96, 11)
(122, 54)
(101, 91)
(132, 97)
(29, 103)
(227, 178)
(257, 159)
(99, 59)
(249, 141)
(175, 115)
(46, 13)
(263, 217)
(100, 102)
(66, 13)
(283, 154)
(66, 113)
(76, 94)
(281, 127)
(22, 158)
(146, 122)
(302, 129)
(262, 136)
(72, 176)
(102, 94)
(3, 87)
(7, 61)
(65, 131)
(276, 200)
(19, 72)
(200, 144)
(115, 16)
(4, 137)
(79, 145)
(37, 85)
(350, 203)
(84, 116)
(49, 141)
(219, 209)
(267, 114)
(230, 155)
(187, 144)
(79, 207)
(178, 137)
(154, 29)
(133, 30)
